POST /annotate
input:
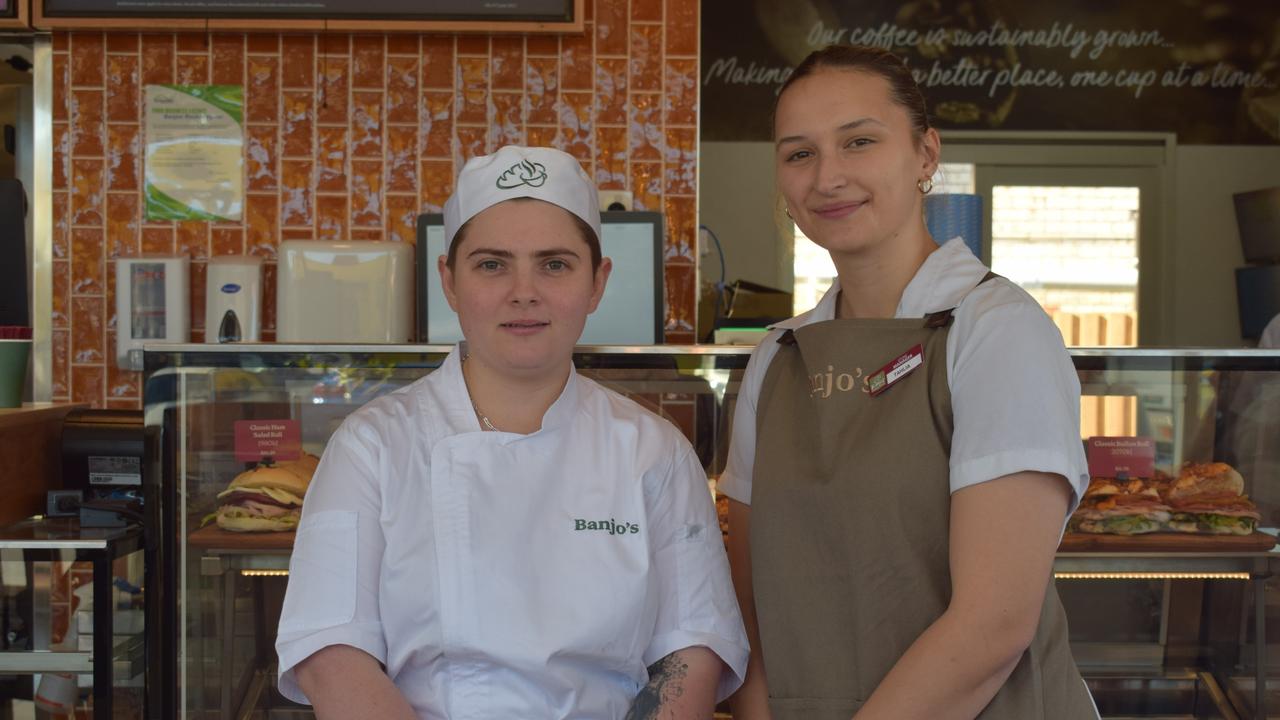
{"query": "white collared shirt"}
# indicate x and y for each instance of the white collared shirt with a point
(498, 575)
(1015, 394)
(1270, 334)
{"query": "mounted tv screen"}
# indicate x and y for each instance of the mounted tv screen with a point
(1258, 218)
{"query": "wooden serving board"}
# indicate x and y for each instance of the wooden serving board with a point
(1167, 542)
(212, 537)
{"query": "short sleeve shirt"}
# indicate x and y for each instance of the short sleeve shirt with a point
(1015, 394)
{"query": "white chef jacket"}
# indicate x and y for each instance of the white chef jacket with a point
(498, 575)
(1015, 395)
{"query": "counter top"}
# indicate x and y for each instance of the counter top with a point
(41, 533)
(35, 412)
(30, 446)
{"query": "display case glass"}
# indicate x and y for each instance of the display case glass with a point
(73, 620)
(1163, 624)
(223, 589)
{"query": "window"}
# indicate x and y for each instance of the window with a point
(1075, 249)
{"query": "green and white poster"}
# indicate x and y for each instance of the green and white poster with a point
(194, 156)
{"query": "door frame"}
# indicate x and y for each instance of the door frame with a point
(1145, 158)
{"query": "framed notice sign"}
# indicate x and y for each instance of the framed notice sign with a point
(194, 160)
(524, 16)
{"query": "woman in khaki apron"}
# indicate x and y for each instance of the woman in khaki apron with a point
(904, 456)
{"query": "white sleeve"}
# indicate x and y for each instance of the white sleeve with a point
(696, 602)
(1015, 399)
(1271, 334)
(332, 596)
(735, 481)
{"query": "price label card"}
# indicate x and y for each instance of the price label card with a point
(1115, 457)
(276, 439)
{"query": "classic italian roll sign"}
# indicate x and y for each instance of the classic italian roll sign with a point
(194, 156)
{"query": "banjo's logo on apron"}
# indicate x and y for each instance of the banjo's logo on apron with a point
(823, 384)
(611, 526)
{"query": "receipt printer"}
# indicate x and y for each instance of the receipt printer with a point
(102, 453)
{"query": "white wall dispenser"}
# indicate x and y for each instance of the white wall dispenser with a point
(345, 292)
(233, 299)
(152, 305)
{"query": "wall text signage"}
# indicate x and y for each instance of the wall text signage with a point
(1206, 70)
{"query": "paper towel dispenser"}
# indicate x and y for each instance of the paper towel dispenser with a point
(344, 292)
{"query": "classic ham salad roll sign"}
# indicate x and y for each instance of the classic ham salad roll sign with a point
(276, 439)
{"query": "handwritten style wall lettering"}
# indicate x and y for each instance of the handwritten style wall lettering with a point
(1208, 71)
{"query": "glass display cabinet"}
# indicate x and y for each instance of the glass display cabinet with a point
(73, 641)
(1164, 624)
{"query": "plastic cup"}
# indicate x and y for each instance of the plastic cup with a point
(58, 693)
(13, 371)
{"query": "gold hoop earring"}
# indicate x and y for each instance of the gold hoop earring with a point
(787, 210)
(924, 186)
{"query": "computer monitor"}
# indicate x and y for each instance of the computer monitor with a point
(630, 313)
(1257, 297)
(1258, 219)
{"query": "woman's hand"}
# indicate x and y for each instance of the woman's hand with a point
(682, 686)
(344, 683)
(1003, 536)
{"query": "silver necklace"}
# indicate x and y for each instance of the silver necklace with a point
(485, 422)
(484, 419)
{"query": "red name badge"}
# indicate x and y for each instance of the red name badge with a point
(902, 366)
(277, 439)
(1122, 457)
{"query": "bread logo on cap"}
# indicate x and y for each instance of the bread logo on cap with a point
(525, 172)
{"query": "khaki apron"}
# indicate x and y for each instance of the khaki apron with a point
(849, 530)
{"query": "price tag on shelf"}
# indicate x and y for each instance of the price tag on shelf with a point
(1122, 457)
(276, 439)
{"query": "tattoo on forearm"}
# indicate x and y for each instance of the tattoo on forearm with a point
(666, 683)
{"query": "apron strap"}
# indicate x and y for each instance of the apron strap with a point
(944, 318)
(932, 321)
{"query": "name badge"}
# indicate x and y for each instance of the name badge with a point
(902, 366)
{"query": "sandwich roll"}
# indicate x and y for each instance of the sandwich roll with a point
(1206, 479)
(267, 498)
(305, 466)
(1120, 507)
(1208, 498)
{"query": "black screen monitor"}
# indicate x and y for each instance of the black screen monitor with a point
(631, 312)
(1258, 296)
(1258, 218)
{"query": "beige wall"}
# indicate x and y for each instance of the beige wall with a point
(1206, 244)
(737, 196)
(736, 200)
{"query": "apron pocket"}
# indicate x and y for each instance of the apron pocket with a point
(322, 573)
(813, 708)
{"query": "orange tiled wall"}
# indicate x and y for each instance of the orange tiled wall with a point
(351, 136)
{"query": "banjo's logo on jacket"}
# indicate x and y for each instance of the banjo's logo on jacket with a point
(611, 526)
(525, 172)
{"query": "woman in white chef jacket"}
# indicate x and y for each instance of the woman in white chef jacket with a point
(504, 538)
(904, 456)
